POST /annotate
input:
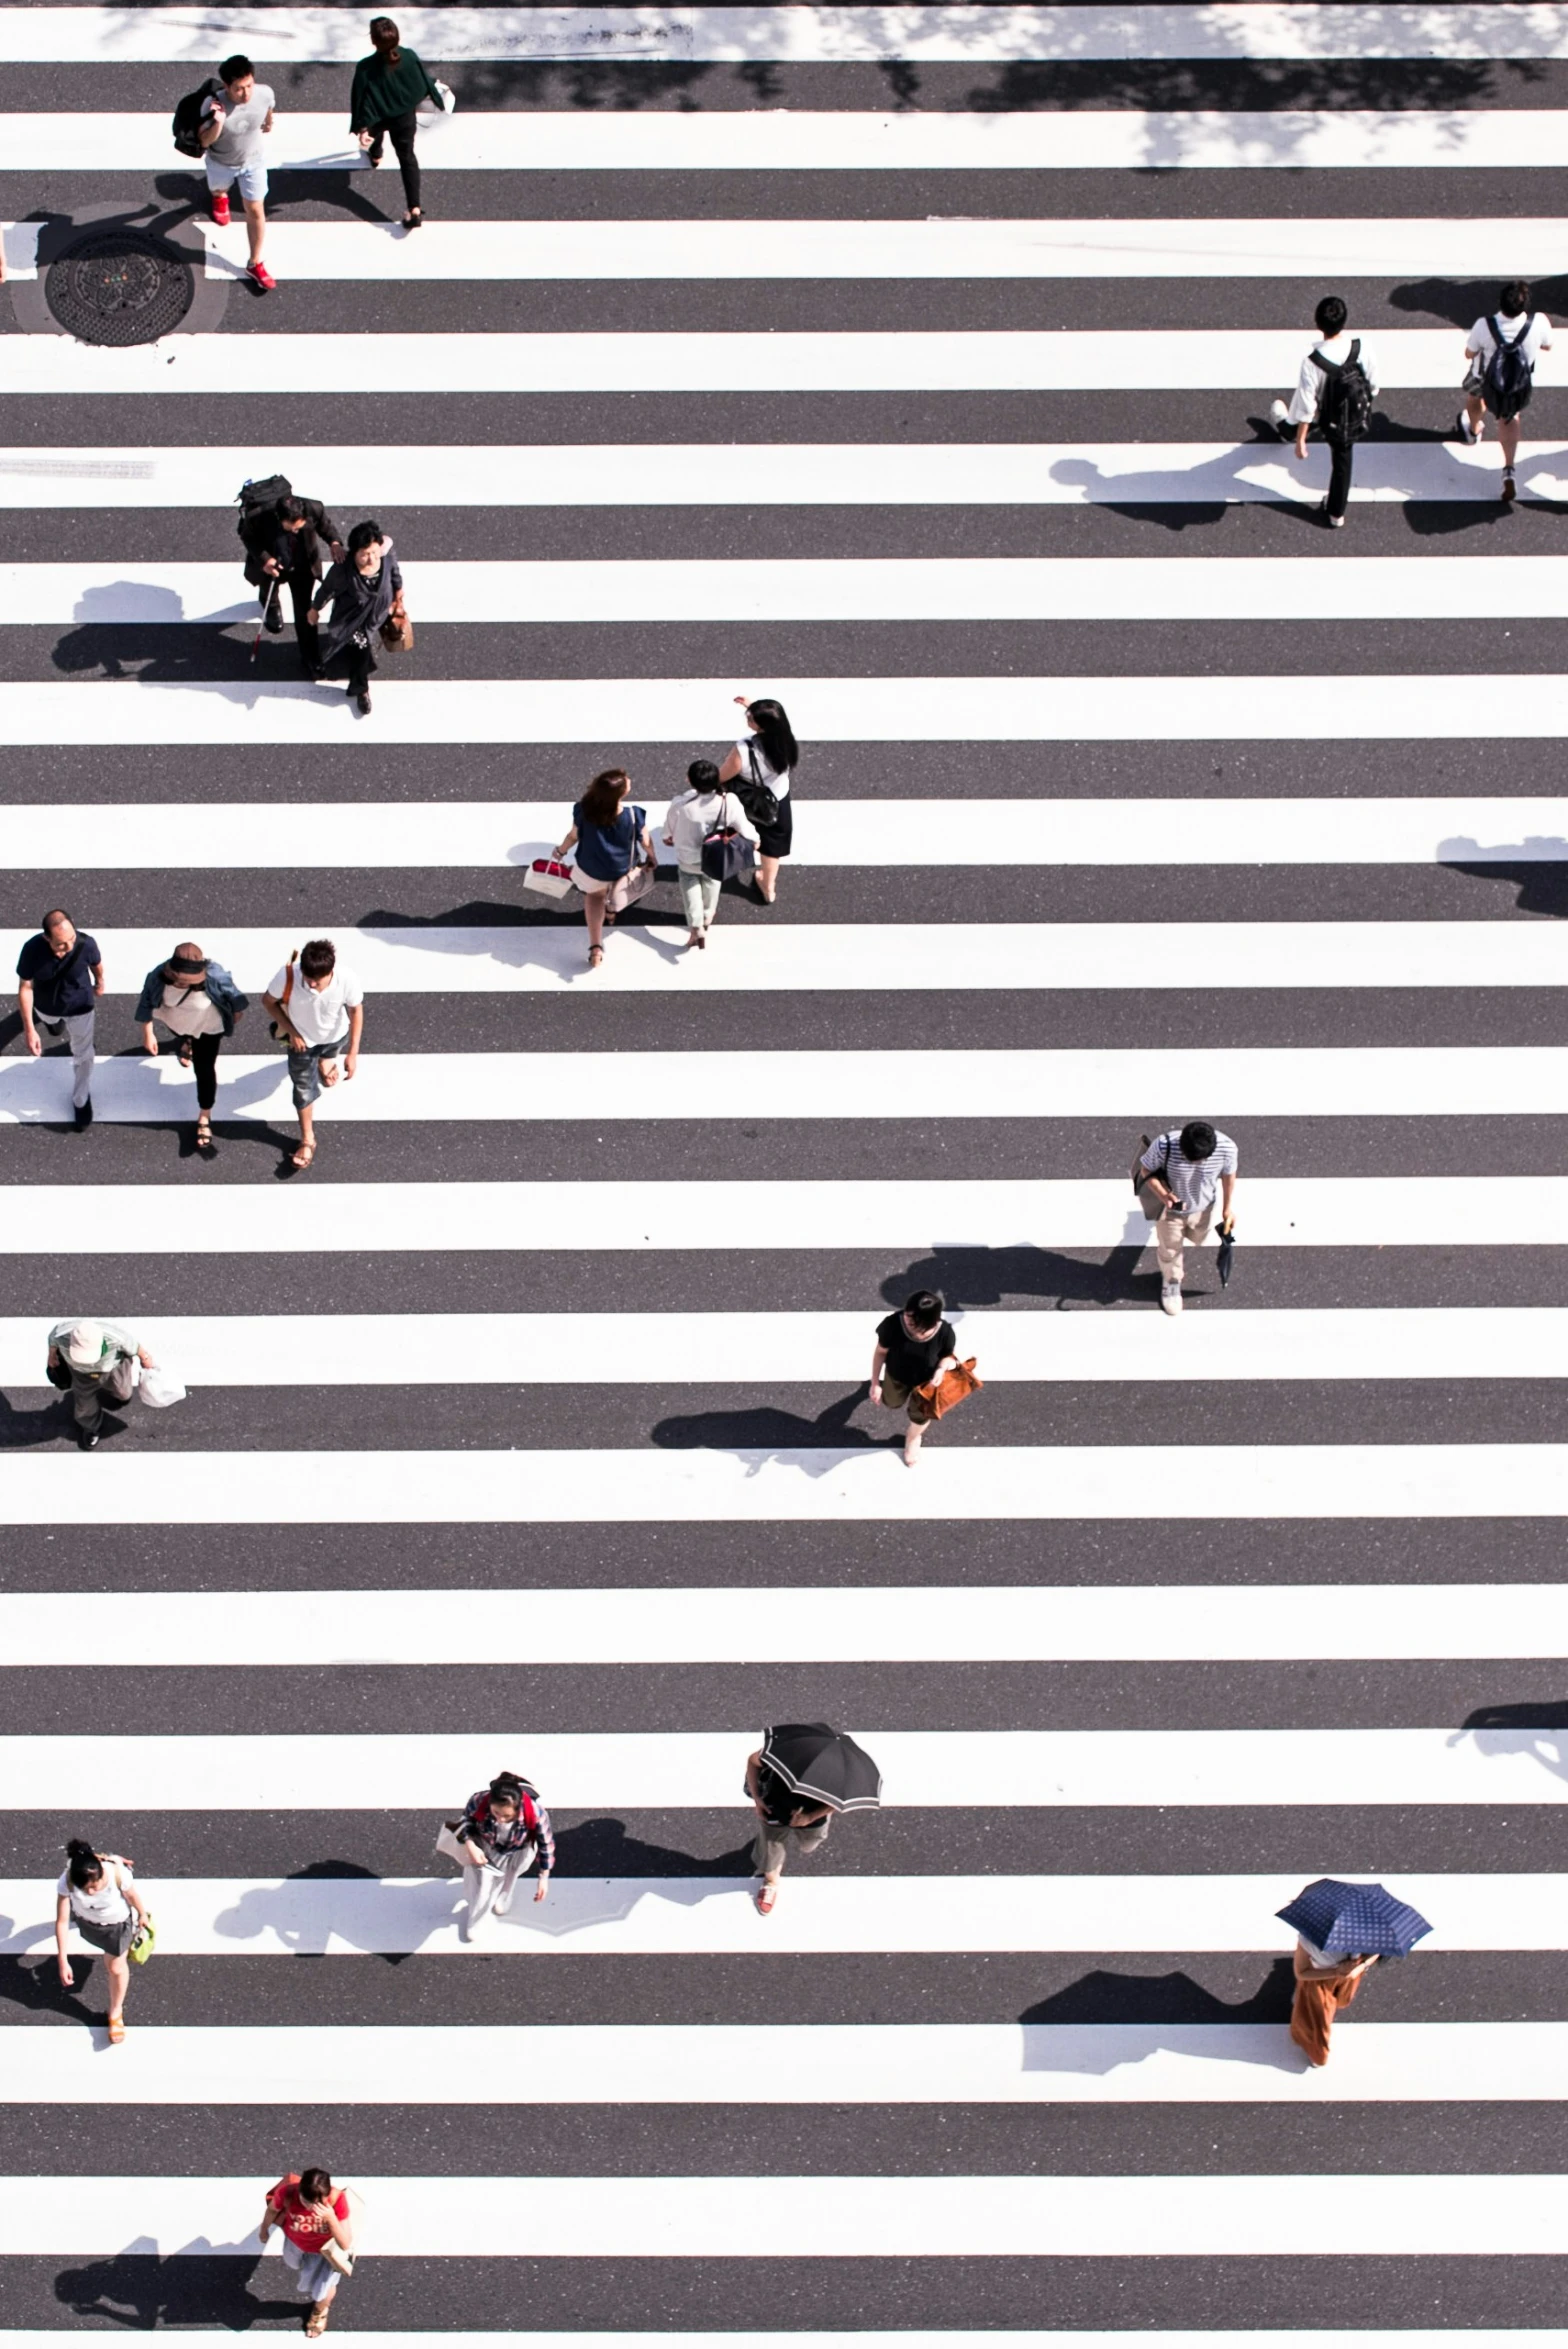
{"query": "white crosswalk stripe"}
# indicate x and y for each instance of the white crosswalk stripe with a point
(927, 352)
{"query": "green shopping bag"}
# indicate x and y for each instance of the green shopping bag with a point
(146, 1942)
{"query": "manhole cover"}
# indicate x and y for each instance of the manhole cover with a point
(118, 287)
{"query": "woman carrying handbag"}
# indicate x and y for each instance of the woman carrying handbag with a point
(97, 1895)
(760, 769)
(318, 2239)
(364, 593)
(712, 842)
(197, 1001)
(503, 1830)
(608, 835)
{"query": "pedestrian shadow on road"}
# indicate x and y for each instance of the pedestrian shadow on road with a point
(34, 1983)
(1537, 1731)
(45, 1422)
(1109, 2020)
(1537, 867)
(519, 938)
(968, 1277)
(145, 2289)
(766, 1433)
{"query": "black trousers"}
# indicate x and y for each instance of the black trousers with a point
(401, 132)
(204, 1061)
(1341, 459)
(301, 585)
(356, 662)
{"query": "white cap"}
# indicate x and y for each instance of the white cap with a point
(85, 1346)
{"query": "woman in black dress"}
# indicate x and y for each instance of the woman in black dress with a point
(364, 591)
(763, 762)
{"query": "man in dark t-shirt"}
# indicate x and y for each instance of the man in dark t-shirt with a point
(60, 978)
(913, 1347)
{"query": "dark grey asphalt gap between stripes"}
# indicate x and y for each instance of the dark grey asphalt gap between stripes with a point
(627, 1697)
(1112, 1552)
(793, 1149)
(1114, 1278)
(1018, 1986)
(762, 1420)
(836, 2294)
(408, 902)
(284, 776)
(1137, 526)
(192, 654)
(1155, 190)
(1044, 85)
(1379, 1840)
(326, 417)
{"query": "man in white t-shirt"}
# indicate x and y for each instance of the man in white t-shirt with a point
(232, 129)
(1319, 401)
(1500, 356)
(318, 1007)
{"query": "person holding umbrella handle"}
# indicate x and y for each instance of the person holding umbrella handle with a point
(784, 1821)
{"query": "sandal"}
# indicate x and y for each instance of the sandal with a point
(595, 957)
(303, 1155)
(413, 217)
(204, 1141)
(316, 2323)
(116, 2029)
(185, 1051)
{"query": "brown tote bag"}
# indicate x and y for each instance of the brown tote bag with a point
(955, 1386)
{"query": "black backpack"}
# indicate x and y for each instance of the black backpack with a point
(185, 128)
(1345, 403)
(257, 498)
(1508, 376)
(760, 804)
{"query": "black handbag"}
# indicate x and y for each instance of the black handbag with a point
(760, 804)
(57, 1374)
(727, 855)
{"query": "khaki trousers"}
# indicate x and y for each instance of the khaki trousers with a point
(1173, 1230)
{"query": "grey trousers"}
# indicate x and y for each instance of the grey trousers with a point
(774, 1844)
(77, 1026)
(89, 1394)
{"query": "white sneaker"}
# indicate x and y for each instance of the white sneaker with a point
(1170, 1296)
(1466, 429)
(1279, 417)
(501, 1903)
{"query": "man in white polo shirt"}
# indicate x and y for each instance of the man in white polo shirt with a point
(232, 129)
(1500, 356)
(318, 1008)
(1182, 1173)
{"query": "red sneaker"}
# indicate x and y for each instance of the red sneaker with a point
(261, 275)
(220, 211)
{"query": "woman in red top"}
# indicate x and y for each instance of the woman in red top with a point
(312, 2213)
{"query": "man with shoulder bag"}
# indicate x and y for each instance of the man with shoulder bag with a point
(1178, 1177)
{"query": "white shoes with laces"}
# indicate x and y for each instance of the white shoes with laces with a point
(1170, 1296)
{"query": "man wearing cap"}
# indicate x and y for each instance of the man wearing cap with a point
(96, 1360)
(1179, 1177)
(60, 971)
(197, 1001)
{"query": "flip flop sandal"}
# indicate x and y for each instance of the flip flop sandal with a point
(116, 2029)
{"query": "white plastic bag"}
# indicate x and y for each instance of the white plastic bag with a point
(448, 97)
(159, 1388)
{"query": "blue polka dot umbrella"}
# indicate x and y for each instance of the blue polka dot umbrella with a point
(1354, 1919)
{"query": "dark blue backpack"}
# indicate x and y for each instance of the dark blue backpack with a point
(1508, 376)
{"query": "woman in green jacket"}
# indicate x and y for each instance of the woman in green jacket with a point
(388, 85)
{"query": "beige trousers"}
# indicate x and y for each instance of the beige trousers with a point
(1172, 1230)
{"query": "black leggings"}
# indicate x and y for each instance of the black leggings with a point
(400, 130)
(204, 1061)
(356, 662)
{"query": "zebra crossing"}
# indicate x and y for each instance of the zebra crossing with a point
(907, 363)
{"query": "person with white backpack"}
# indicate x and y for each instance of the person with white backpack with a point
(97, 1897)
(1500, 356)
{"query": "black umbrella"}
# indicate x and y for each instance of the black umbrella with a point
(1227, 1251)
(822, 1765)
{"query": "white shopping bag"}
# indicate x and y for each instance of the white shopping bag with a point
(159, 1388)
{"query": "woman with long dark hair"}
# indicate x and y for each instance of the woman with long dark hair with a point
(318, 2238)
(607, 834)
(760, 767)
(388, 85)
(503, 1830)
(97, 1896)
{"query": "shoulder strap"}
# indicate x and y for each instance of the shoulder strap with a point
(288, 980)
(1355, 352)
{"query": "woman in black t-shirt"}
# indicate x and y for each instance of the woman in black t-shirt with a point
(913, 1347)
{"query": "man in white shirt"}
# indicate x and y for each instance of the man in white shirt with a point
(1325, 396)
(1179, 1177)
(232, 129)
(318, 1007)
(1500, 356)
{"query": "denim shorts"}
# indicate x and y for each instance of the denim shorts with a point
(305, 1069)
(252, 178)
